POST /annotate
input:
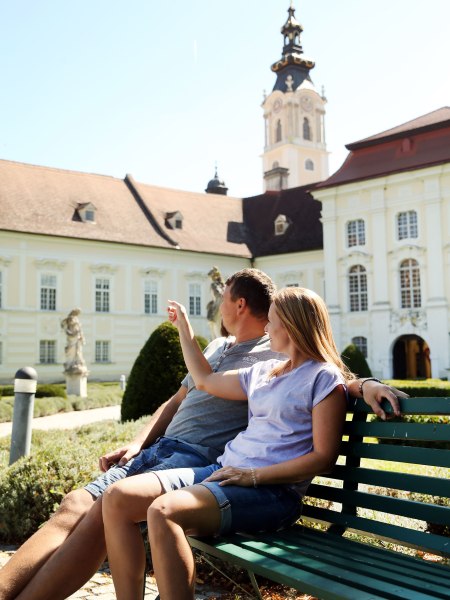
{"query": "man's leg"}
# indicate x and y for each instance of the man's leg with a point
(73, 563)
(37, 550)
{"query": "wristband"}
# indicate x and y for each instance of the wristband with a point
(364, 381)
(253, 474)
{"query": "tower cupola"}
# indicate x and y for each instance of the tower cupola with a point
(293, 67)
(216, 186)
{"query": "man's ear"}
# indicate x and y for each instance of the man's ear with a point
(241, 304)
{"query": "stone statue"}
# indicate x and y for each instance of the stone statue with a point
(75, 363)
(212, 308)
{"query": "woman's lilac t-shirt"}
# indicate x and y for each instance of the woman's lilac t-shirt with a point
(280, 413)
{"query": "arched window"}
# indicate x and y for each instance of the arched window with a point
(407, 225)
(361, 343)
(410, 284)
(309, 165)
(357, 288)
(306, 129)
(278, 132)
(356, 233)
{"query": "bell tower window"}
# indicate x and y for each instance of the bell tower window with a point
(306, 129)
(278, 132)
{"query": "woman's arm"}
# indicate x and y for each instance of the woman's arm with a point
(225, 384)
(327, 425)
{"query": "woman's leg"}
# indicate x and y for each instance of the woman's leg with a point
(125, 505)
(192, 510)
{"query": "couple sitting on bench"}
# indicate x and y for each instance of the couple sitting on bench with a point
(296, 408)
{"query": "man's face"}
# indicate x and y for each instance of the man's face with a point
(228, 310)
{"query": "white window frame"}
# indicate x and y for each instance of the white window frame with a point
(309, 165)
(1, 289)
(356, 233)
(151, 297)
(410, 288)
(195, 299)
(360, 342)
(47, 352)
(102, 351)
(407, 225)
(102, 299)
(48, 291)
(357, 289)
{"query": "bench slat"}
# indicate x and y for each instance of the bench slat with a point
(406, 454)
(385, 531)
(436, 432)
(410, 406)
(394, 567)
(391, 479)
(432, 513)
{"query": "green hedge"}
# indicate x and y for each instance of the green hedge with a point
(99, 395)
(422, 389)
(32, 488)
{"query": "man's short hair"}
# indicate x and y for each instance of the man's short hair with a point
(256, 287)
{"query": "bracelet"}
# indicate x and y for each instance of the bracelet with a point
(364, 381)
(253, 474)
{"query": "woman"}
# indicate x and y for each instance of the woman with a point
(296, 413)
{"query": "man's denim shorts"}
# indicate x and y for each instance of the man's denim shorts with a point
(166, 453)
(249, 509)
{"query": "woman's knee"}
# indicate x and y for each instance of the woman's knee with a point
(115, 497)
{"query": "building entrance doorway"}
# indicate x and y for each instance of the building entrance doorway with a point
(411, 358)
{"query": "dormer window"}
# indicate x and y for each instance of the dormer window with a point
(281, 224)
(86, 212)
(174, 220)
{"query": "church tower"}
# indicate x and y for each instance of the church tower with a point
(295, 152)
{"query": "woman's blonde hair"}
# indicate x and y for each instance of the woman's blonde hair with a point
(305, 316)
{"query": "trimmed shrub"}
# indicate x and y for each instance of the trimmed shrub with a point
(51, 391)
(156, 374)
(355, 361)
(32, 488)
(99, 395)
(422, 389)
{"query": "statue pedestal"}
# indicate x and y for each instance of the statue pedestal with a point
(76, 384)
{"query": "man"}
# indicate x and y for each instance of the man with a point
(190, 429)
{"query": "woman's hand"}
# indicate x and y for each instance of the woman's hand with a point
(234, 476)
(177, 313)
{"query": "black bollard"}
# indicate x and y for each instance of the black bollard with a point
(24, 390)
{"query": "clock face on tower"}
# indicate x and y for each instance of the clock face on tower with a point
(277, 105)
(306, 103)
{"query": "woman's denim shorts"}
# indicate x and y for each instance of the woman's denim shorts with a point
(247, 509)
(166, 453)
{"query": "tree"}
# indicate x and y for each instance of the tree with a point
(156, 374)
(355, 361)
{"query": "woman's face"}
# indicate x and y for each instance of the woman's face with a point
(279, 338)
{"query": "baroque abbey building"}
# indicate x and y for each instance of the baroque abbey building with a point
(373, 239)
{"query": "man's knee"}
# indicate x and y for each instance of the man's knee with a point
(76, 504)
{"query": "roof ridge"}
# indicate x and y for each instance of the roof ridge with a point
(62, 170)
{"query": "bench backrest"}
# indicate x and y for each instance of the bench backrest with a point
(379, 492)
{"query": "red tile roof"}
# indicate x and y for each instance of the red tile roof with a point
(417, 144)
(44, 200)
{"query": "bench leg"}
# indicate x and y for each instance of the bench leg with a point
(255, 584)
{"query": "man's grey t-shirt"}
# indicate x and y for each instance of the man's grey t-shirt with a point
(205, 421)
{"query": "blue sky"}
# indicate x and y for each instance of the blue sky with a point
(165, 89)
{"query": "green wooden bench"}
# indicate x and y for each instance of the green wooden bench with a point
(366, 499)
